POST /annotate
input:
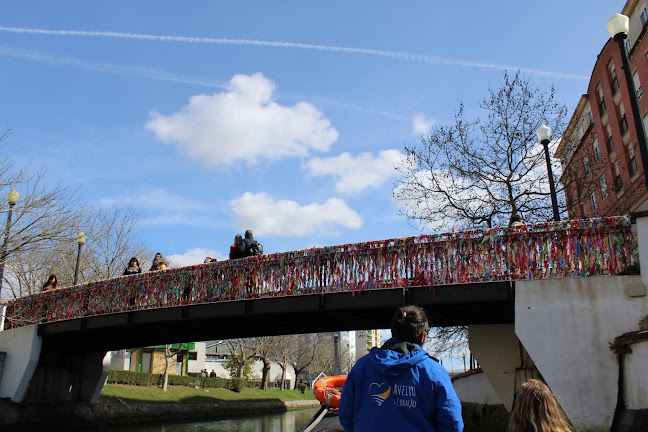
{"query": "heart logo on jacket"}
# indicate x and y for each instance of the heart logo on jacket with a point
(379, 392)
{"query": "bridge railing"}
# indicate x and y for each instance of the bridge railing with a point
(578, 248)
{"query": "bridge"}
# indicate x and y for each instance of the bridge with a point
(485, 279)
(461, 278)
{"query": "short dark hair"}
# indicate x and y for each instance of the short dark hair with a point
(248, 234)
(409, 322)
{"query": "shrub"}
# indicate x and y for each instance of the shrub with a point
(144, 379)
(237, 384)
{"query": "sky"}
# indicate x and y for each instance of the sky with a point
(286, 118)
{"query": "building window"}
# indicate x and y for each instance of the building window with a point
(597, 151)
(602, 108)
(643, 17)
(615, 81)
(618, 183)
(586, 164)
(637, 85)
(610, 145)
(632, 166)
(593, 200)
(604, 192)
(623, 124)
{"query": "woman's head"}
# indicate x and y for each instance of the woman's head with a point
(133, 262)
(537, 409)
(409, 323)
(158, 255)
(52, 279)
(238, 239)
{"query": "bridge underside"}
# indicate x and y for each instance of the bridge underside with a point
(479, 303)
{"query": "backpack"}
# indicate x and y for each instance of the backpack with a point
(253, 248)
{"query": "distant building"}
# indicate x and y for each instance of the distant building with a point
(603, 173)
(191, 359)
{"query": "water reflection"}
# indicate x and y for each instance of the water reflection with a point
(291, 421)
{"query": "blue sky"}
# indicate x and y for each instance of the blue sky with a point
(213, 117)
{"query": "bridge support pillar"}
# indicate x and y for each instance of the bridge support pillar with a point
(567, 326)
(67, 376)
(22, 348)
(498, 351)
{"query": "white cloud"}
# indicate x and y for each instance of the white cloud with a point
(354, 174)
(242, 123)
(421, 125)
(194, 256)
(266, 216)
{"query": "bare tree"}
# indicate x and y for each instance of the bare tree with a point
(111, 242)
(479, 172)
(284, 349)
(169, 353)
(43, 216)
(307, 348)
(111, 232)
(240, 357)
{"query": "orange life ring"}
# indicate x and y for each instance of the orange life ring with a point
(325, 390)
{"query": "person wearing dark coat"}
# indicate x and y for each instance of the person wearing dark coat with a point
(52, 283)
(237, 250)
(133, 267)
(252, 247)
(159, 263)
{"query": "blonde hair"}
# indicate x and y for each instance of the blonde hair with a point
(537, 410)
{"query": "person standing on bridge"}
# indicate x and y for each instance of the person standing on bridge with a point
(400, 386)
(51, 284)
(159, 263)
(133, 267)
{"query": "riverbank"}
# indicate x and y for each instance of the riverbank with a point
(149, 405)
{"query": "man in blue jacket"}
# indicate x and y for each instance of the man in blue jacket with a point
(399, 386)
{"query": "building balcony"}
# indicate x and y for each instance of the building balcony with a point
(604, 119)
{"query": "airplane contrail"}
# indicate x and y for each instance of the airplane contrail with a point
(424, 58)
(162, 75)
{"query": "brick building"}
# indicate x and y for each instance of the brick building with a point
(603, 173)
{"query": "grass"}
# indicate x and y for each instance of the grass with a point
(114, 393)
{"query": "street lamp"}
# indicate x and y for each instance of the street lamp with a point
(12, 199)
(80, 238)
(464, 360)
(544, 135)
(618, 26)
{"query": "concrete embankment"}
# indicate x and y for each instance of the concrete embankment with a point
(14, 417)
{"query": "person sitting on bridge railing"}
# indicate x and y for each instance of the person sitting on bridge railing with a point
(159, 263)
(252, 247)
(400, 386)
(237, 250)
(51, 283)
(133, 267)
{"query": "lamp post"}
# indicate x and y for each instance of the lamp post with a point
(12, 199)
(464, 360)
(618, 26)
(544, 135)
(80, 238)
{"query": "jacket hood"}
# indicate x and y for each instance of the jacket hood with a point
(397, 356)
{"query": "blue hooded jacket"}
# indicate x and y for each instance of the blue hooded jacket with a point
(399, 387)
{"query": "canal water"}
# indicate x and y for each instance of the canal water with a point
(291, 421)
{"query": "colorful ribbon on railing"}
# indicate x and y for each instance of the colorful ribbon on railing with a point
(548, 250)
